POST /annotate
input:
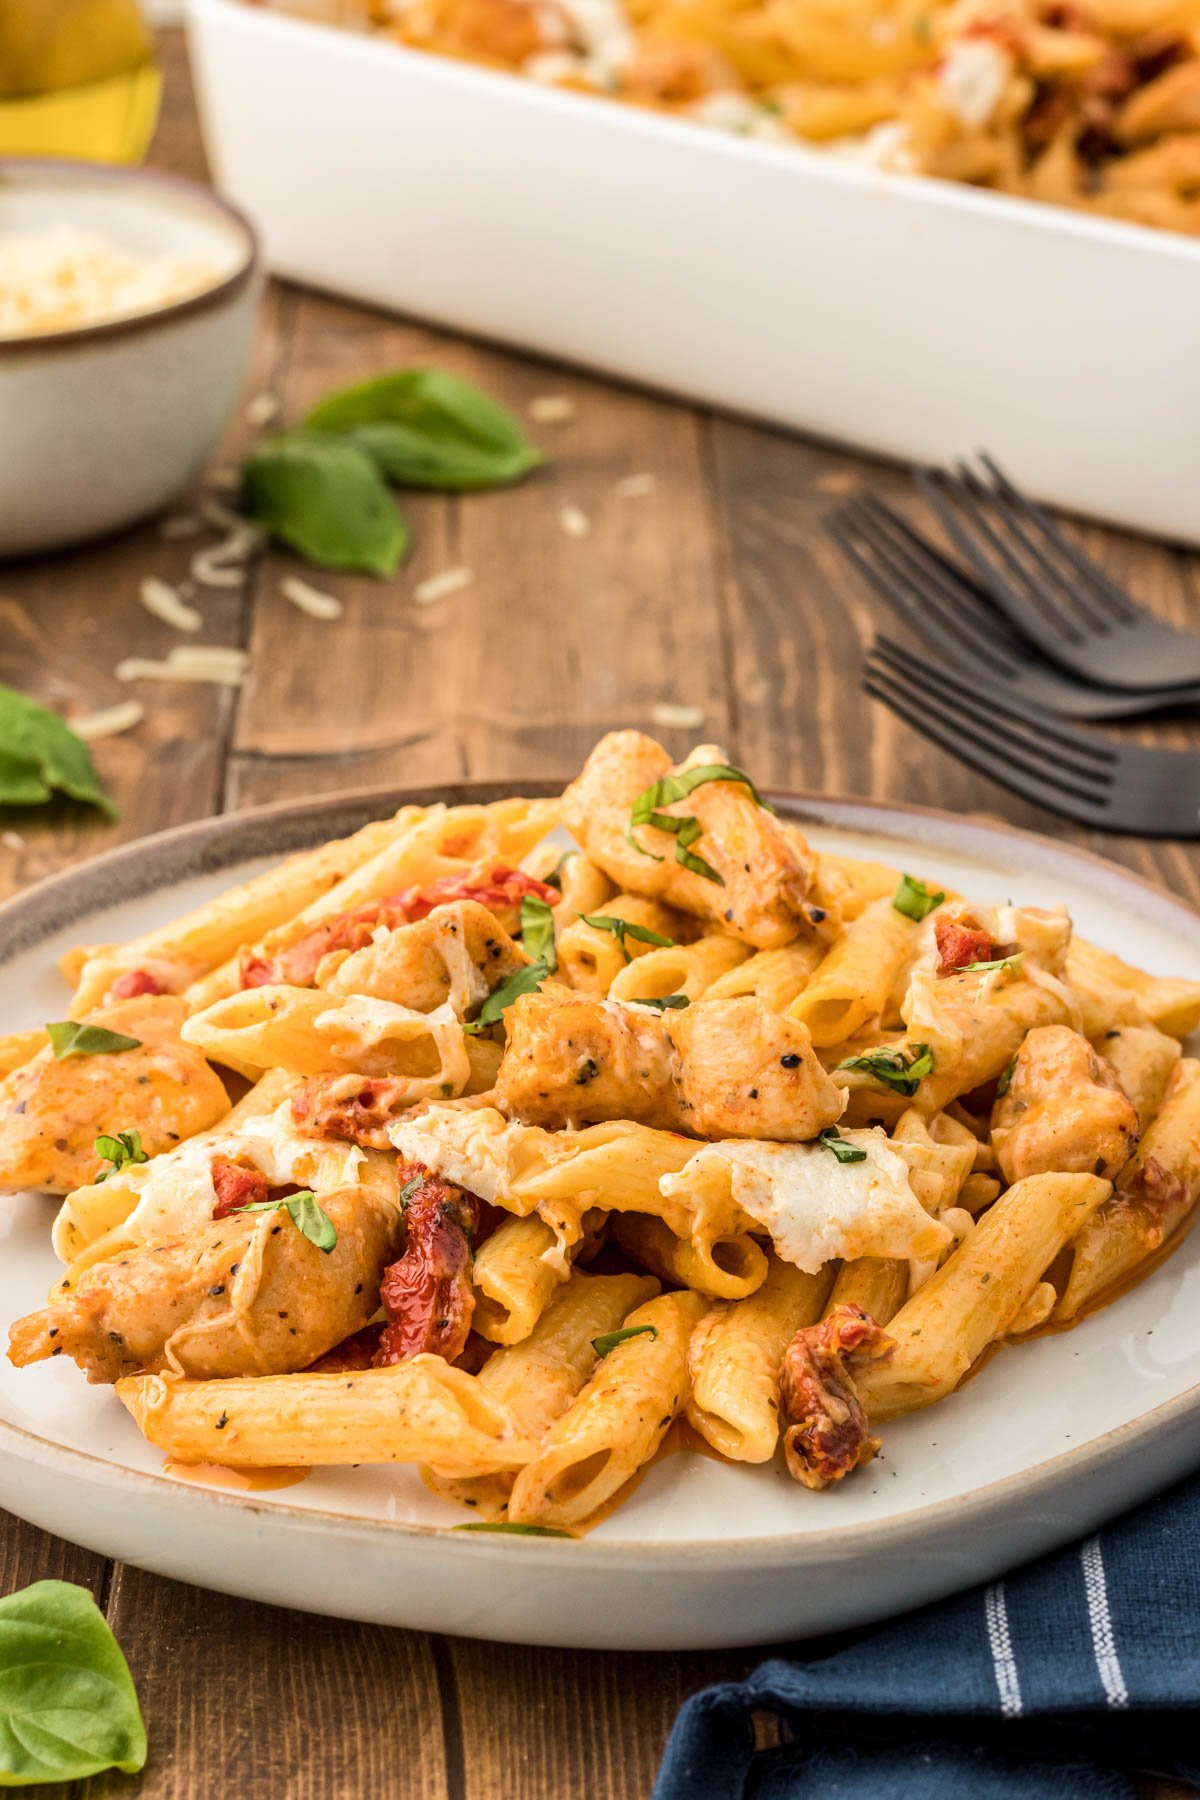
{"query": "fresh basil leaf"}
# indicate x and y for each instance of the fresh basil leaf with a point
(513, 1527)
(121, 1151)
(914, 900)
(306, 1213)
(40, 756)
(427, 429)
(998, 962)
(641, 848)
(610, 1339)
(670, 788)
(668, 1003)
(624, 928)
(537, 930)
(525, 981)
(893, 1069)
(68, 1706)
(409, 1189)
(831, 1139)
(327, 499)
(71, 1037)
(685, 829)
(1005, 1081)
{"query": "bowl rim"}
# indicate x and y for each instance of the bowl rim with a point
(29, 170)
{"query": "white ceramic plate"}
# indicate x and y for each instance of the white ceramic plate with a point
(1047, 1441)
(916, 317)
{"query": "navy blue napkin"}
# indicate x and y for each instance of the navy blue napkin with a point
(1058, 1681)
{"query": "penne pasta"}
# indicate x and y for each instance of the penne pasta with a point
(727, 1268)
(852, 985)
(734, 1359)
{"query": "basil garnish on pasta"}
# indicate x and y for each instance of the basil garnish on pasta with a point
(685, 828)
(120, 1152)
(306, 1213)
(1005, 1081)
(525, 981)
(513, 1527)
(914, 900)
(666, 1003)
(624, 928)
(997, 962)
(68, 1037)
(409, 1189)
(832, 1140)
(893, 1069)
(537, 930)
(610, 1339)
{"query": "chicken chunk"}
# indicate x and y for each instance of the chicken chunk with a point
(764, 892)
(51, 1111)
(247, 1295)
(1064, 1111)
(721, 1068)
(456, 955)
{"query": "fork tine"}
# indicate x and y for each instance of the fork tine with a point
(949, 502)
(962, 607)
(1076, 596)
(948, 733)
(915, 600)
(1122, 606)
(1089, 754)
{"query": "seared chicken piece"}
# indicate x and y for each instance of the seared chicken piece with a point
(721, 1068)
(764, 895)
(456, 955)
(52, 1112)
(247, 1295)
(1064, 1111)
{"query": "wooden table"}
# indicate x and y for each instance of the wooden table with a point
(716, 590)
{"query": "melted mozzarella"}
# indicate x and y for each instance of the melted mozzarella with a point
(814, 1207)
(475, 1149)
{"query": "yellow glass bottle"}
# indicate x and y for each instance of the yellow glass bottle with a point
(77, 79)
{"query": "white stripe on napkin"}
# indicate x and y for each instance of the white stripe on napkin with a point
(1007, 1683)
(1104, 1643)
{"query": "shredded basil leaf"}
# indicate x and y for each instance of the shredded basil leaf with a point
(525, 981)
(537, 930)
(914, 900)
(409, 1189)
(999, 962)
(121, 1152)
(610, 1339)
(891, 1068)
(68, 1706)
(684, 828)
(668, 1003)
(429, 429)
(68, 1037)
(325, 497)
(623, 928)
(306, 1213)
(42, 756)
(832, 1139)
(1005, 1081)
(513, 1527)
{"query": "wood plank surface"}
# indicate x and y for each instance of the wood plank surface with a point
(716, 589)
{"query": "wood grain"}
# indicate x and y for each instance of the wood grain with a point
(717, 590)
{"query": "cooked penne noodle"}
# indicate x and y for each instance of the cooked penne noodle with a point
(849, 884)
(1112, 992)
(734, 1361)
(618, 1420)
(877, 1285)
(516, 1274)
(590, 958)
(853, 984)
(411, 1412)
(777, 977)
(727, 1268)
(689, 969)
(1144, 1060)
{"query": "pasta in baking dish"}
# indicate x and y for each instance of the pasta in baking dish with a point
(1093, 104)
(496, 1139)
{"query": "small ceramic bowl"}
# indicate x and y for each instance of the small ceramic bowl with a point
(101, 424)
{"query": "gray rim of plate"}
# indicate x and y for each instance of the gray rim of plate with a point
(206, 846)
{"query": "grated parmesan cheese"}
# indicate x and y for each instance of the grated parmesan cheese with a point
(634, 487)
(680, 718)
(12, 840)
(552, 409)
(973, 79)
(60, 279)
(575, 522)
(310, 600)
(223, 565)
(167, 604)
(262, 409)
(109, 721)
(221, 663)
(181, 525)
(440, 587)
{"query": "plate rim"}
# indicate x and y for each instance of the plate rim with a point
(37, 909)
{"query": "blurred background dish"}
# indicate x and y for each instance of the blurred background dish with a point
(127, 302)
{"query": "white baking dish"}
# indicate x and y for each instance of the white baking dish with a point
(907, 316)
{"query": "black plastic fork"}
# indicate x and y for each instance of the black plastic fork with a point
(943, 606)
(1047, 587)
(1085, 776)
